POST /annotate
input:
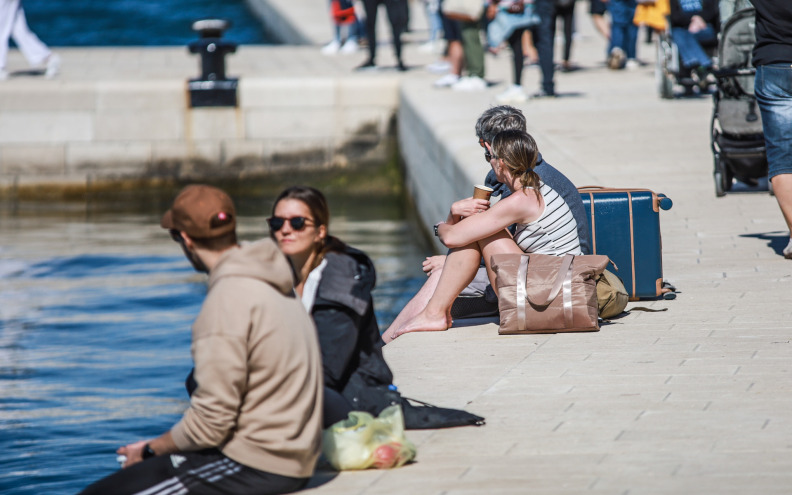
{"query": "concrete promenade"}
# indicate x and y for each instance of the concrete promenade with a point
(693, 400)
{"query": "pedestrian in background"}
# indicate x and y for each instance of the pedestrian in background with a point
(455, 51)
(565, 10)
(398, 17)
(342, 14)
(624, 35)
(772, 57)
(543, 35)
(13, 24)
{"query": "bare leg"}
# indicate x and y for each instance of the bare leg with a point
(528, 47)
(456, 57)
(460, 268)
(415, 306)
(497, 245)
(602, 25)
(782, 188)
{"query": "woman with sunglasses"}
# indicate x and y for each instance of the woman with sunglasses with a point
(544, 225)
(335, 282)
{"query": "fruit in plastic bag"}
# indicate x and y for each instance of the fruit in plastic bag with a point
(362, 441)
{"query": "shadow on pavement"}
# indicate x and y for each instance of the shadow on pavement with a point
(776, 241)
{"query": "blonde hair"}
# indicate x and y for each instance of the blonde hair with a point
(518, 152)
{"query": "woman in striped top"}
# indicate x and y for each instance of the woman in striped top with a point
(544, 225)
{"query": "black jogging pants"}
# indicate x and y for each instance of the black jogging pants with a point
(202, 472)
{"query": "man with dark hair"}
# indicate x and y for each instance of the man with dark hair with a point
(479, 299)
(254, 421)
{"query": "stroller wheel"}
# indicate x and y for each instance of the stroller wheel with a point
(723, 178)
(664, 80)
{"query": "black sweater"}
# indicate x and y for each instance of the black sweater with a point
(773, 32)
(709, 12)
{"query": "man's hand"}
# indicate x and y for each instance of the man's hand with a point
(433, 264)
(133, 453)
(469, 206)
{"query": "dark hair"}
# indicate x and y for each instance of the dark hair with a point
(220, 243)
(317, 205)
(497, 119)
(518, 151)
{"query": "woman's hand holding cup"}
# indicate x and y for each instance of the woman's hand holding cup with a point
(466, 207)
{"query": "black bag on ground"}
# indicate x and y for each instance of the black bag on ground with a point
(374, 398)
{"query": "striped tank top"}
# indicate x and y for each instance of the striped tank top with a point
(554, 232)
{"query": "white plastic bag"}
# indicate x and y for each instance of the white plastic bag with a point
(362, 441)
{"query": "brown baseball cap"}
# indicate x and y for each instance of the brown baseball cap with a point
(203, 212)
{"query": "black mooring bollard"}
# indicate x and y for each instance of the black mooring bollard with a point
(212, 89)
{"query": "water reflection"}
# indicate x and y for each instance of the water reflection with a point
(95, 328)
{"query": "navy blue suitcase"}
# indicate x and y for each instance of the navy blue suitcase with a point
(624, 225)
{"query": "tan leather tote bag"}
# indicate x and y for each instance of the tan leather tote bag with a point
(539, 293)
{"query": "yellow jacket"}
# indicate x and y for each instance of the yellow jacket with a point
(653, 14)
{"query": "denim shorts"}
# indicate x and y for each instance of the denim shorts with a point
(773, 90)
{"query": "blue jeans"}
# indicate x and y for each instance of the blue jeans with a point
(624, 33)
(773, 90)
(689, 46)
(544, 41)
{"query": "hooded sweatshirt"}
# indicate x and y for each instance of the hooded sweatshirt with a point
(258, 367)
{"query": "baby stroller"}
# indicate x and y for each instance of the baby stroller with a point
(737, 142)
(668, 67)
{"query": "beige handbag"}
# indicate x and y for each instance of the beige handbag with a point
(539, 293)
(463, 10)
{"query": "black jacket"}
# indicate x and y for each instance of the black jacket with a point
(349, 336)
(352, 347)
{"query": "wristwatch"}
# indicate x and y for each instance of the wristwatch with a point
(148, 452)
(437, 234)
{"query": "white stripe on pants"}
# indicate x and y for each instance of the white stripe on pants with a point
(13, 24)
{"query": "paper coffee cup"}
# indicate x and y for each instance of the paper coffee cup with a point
(482, 192)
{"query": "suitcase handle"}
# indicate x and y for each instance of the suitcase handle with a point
(661, 200)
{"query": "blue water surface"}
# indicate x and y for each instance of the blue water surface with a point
(95, 315)
(136, 22)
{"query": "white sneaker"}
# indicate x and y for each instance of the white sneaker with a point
(331, 48)
(430, 47)
(788, 250)
(446, 81)
(631, 64)
(3, 74)
(470, 83)
(350, 46)
(53, 66)
(439, 67)
(513, 94)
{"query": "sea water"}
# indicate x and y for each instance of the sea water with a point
(137, 22)
(96, 304)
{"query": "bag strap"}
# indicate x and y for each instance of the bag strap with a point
(563, 280)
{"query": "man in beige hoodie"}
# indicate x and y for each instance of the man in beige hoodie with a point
(254, 421)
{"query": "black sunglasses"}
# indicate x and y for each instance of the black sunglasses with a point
(487, 155)
(297, 223)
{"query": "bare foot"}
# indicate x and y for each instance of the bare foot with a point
(423, 322)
